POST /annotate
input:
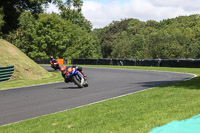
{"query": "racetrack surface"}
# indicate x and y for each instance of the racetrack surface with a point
(28, 102)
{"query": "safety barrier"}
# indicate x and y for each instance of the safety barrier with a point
(192, 63)
(61, 61)
(47, 61)
(6, 72)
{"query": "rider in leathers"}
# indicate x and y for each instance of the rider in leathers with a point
(52, 60)
(63, 69)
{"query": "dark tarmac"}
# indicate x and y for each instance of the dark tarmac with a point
(29, 102)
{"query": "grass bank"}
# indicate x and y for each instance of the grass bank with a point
(135, 113)
(167, 69)
(55, 77)
(25, 68)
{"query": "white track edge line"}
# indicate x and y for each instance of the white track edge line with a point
(95, 67)
(89, 104)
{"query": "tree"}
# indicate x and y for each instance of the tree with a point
(122, 48)
(111, 34)
(134, 26)
(12, 9)
(51, 35)
(80, 44)
(22, 37)
(1, 20)
(139, 47)
(170, 38)
(96, 35)
(71, 11)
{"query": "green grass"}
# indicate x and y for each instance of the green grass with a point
(169, 69)
(55, 77)
(25, 68)
(135, 113)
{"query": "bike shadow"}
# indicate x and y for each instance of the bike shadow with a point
(52, 70)
(69, 88)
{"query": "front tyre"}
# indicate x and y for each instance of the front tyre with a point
(86, 84)
(77, 81)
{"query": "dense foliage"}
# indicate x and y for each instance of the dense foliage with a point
(1, 20)
(12, 9)
(69, 35)
(171, 38)
(64, 35)
(51, 35)
(71, 11)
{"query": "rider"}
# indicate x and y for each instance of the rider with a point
(52, 60)
(64, 70)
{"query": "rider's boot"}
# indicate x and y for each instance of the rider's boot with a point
(83, 74)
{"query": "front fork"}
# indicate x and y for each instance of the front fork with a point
(81, 77)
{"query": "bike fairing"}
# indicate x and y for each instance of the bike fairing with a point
(74, 74)
(54, 63)
(69, 71)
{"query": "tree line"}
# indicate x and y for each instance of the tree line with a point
(70, 35)
(41, 35)
(168, 39)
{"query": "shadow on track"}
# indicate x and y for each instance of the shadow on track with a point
(155, 83)
(187, 84)
(53, 70)
(69, 88)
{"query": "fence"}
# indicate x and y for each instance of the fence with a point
(192, 63)
(6, 72)
(47, 61)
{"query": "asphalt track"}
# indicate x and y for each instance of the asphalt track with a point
(29, 102)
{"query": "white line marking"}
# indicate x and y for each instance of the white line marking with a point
(100, 100)
(92, 103)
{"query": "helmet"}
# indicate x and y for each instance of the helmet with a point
(62, 68)
(70, 69)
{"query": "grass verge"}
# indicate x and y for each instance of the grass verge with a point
(167, 69)
(25, 68)
(135, 113)
(55, 77)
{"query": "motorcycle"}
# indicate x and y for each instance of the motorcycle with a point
(55, 65)
(73, 75)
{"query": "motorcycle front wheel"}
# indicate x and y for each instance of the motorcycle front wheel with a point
(77, 81)
(86, 84)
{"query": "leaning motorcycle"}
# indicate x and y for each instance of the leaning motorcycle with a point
(55, 65)
(73, 75)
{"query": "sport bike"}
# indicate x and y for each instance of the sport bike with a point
(73, 75)
(55, 65)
